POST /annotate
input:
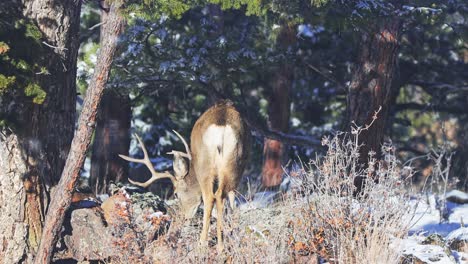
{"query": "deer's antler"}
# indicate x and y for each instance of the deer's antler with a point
(146, 161)
(187, 149)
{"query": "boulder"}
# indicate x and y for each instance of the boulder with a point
(456, 196)
(118, 230)
(458, 239)
(88, 232)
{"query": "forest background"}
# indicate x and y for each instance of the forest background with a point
(297, 70)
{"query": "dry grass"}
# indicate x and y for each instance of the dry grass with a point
(346, 227)
(322, 217)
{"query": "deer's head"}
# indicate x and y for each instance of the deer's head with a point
(186, 187)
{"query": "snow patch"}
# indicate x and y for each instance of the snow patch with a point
(425, 253)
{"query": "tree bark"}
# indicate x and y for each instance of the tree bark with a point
(13, 227)
(110, 139)
(50, 125)
(112, 26)
(459, 166)
(278, 113)
(32, 156)
(371, 86)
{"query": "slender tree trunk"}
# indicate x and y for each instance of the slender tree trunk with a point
(110, 139)
(33, 155)
(112, 26)
(278, 112)
(459, 166)
(371, 86)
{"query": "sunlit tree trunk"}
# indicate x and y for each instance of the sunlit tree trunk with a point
(112, 26)
(32, 155)
(110, 139)
(278, 112)
(371, 86)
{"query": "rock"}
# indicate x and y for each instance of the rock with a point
(456, 196)
(116, 209)
(458, 239)
(88, 232)
(424, 254)
(118, 213)
(117, 231)
(150, 215)
(431, 249)
(434, 239)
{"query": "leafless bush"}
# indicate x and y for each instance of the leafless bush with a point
(346, 227)
(438, 181)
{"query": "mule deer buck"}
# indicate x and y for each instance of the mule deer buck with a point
(220, 142)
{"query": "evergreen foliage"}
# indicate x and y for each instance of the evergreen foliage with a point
(20, 56)
(155, 9)
(172, 67)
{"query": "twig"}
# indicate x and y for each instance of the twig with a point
(326, 76)
(97, 25)
(52, 46)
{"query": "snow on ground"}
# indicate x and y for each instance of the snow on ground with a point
(425, 253)
(426, 220)
(459, 234)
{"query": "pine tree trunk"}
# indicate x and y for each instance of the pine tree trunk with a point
(33, 155)
(371, 86)
(14, 247)
(112, 26)
(459, 166)
(278, 113)
(110, 139)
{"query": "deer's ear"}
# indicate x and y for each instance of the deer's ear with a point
(180, 165)
(181, 178)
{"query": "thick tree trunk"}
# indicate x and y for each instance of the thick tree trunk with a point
(51, 124)
(459, 166)
(371, 86)
(278, 113)
(13, 227)
(112, 26)
(110, 139)
(34, 153)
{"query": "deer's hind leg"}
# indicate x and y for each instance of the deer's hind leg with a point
(219, 197)
(208, 203)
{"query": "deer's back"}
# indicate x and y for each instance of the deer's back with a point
(220, 144)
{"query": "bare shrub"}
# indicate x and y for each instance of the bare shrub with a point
(438, 181)
(347, 228)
